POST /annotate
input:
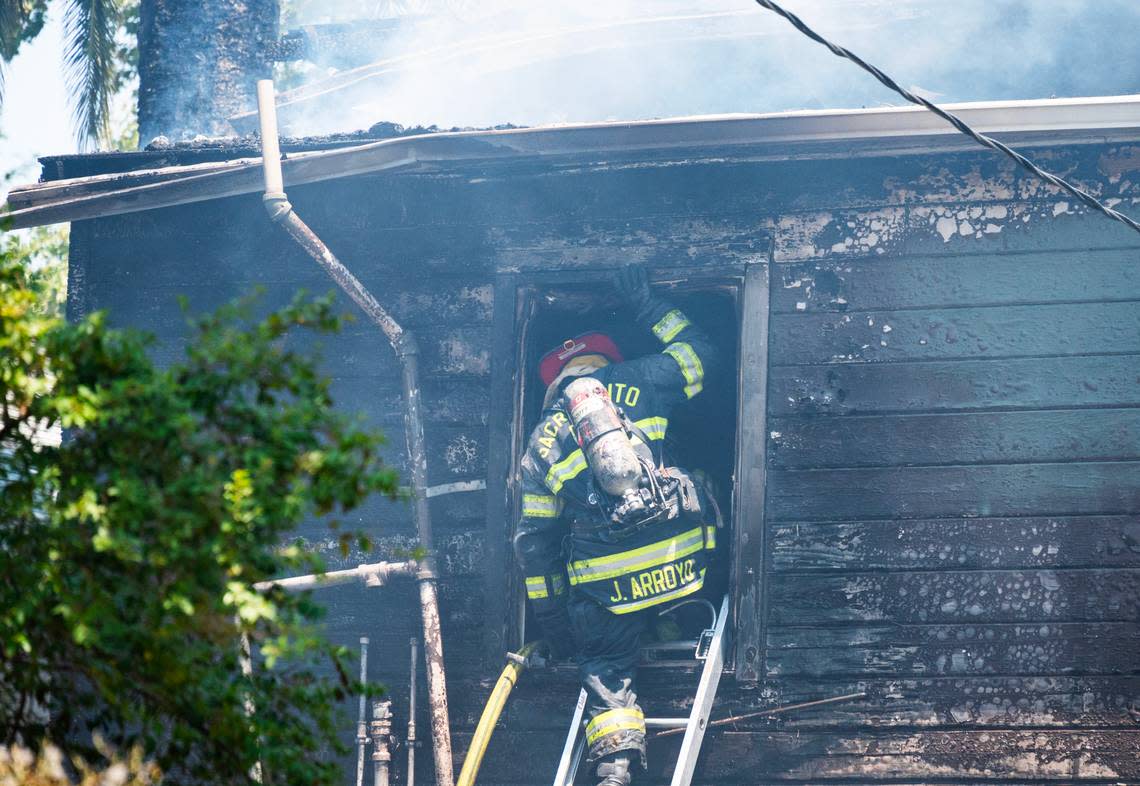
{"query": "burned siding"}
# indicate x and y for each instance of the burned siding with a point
(953, 502)
(953, 488)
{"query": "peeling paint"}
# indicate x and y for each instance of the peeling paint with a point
(459, 356)
(461, 454)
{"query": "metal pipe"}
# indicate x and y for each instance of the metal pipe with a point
(361, 721)
(381, 739)
(407, 351)
(411, 777)
(772, 711)
(245, 658)
(374, 574)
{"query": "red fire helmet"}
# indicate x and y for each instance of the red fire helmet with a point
(556, 359)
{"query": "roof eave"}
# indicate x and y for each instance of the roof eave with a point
(786, 135)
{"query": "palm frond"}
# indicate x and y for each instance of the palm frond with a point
(90, 27)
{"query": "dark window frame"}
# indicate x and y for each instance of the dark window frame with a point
(515, 306)
(750, 553)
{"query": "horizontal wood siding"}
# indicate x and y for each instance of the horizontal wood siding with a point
(954, 510)
(953, 455)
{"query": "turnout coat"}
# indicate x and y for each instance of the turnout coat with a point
(564, 543)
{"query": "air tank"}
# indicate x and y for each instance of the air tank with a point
(602, 438)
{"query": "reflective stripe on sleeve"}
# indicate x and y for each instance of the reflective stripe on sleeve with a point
(680, 592)
(691, 367)
(670, 325)
(710, 537)
(536, 587)
(565, 470)
(541, 506)
(659, 553)
(613, 721)
(654, 428)
(540, 587)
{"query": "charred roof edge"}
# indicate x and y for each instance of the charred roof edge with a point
(800, 134)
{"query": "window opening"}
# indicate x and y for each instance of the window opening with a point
(702, 432)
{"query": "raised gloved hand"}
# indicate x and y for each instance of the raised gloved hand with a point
(633, 284)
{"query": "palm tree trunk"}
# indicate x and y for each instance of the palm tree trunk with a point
(199, 63)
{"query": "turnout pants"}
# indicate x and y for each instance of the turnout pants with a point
(608, 648)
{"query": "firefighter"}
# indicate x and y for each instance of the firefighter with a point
(594, 587)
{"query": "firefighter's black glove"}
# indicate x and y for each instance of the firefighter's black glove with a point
(633, 284)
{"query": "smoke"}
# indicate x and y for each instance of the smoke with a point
(463, 63)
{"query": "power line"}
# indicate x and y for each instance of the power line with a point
(982, 139)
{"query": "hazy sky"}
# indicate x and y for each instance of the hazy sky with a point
(35, 118)
(533, 63)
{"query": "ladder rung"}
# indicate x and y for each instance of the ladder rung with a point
(666, 723)
(672, 645)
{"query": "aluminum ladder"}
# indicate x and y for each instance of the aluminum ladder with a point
(710, 648)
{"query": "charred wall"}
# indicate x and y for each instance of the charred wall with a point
(953, 502)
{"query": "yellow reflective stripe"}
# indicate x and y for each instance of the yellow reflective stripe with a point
(613, 721)
(691, 367)
(566, 469)
(654, 428)
(659, 553)
(541, 506)
(536, 587)
(680, 592)
(710, 537)
(635, 557)
(670, 325)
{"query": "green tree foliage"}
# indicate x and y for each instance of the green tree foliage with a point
(100, 56)
(132, 547)
(42, 253)
(20, 21)
(19, 766)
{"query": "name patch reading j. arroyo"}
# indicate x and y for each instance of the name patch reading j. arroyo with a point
(654, 582)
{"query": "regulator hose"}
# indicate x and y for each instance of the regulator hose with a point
(491, 713)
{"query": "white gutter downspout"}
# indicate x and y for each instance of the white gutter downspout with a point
(281, 212)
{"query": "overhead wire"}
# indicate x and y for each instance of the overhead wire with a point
(982, 139)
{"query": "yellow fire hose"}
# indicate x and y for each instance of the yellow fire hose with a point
(491, 713)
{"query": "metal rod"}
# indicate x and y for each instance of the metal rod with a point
(773, 711)
(373, 574)
(362, 722)
(411, 778)
(407, 352)
(245, 658)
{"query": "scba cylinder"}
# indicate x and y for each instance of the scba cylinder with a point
(608, 451)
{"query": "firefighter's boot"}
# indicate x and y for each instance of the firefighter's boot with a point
(613, 770)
